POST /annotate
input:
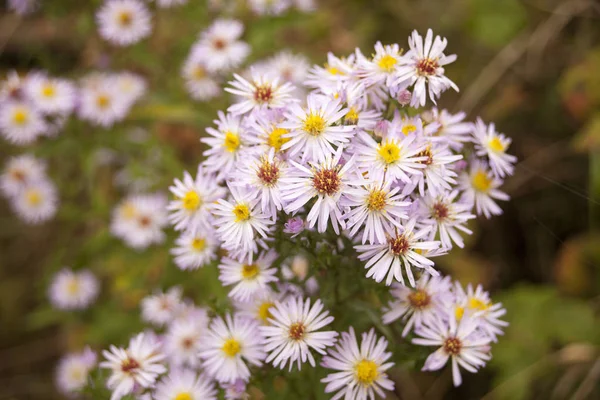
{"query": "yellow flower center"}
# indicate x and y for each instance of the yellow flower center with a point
(366, 372)
(184, 396)
(231, 141)
(199, 72)
(33, 197)
(128, 211)
(481, 181)
(387, 63)
(231, 347)
(125, 18)
(48, 91)
(314, 125)
(102, 101)
(73, 286)
(376, 200)
(333, 70)
(264, 312)
(250, 271)
(20, 116)
(477, 304)
(198, 244)
(389, 152)
(191, 200)
(276, 138)
(241, 212)
(408, 128)
(352, 116)
(496, 145)
(459, 312)
(419, 298)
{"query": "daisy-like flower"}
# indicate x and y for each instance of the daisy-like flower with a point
(193, 200)
(395, 158)
(124, 22)
(312, 129)
(375, 208)
(20, 172)
(198, 82)
(262, 91)
(130, 87)
(73, 290)
(225, 144)
(446, 217)
(37, 202)
(73, 371)
(290, 67)
(480, 187)
(402, 249)
(335, 70)
(327, 182)
(185, 384)
(139, 220)
(183, 341)
(294, 331)
(492, 144)
(450, 128)
(260, 305)
(136, 366)
(458, 341)
(420, 305)
(221, 47)
(382, 67)
(20, 123)
(361, 368)
(478, 304)
(262, 175)
(265, 132)
(229, 344)
(99, 102)
(194, 249)
(51, 95)
(239, 222)
(423, 65)
(249, 279)
(161, 308)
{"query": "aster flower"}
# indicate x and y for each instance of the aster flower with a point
(361, 368)
(294, 331)
(73, 290)
(130, 87)
(194, 249)
(229, 345)
(457, 341)
(262, 91)
(220, 44)
(183, 340)
(37, 202)
(249, 279)
(185, 384)
(312, 129)
(136, 366)
(161, 308)
(99, 103)
(193, 200)
(402, 249)
(20, 123)
(51, 95)
(423, 65)
(420, 305)
(376, 208)
(259, 306)
(480, 187)
(265, 131)
(139, 220)
(450, 128)
(325, 181)
(225, 144)
(198, 81)
(20, 172)
(73, 371)
(335, 70)
(383, 65)
(492, 144)
(289, 67)
(477, 303)
(124, 22)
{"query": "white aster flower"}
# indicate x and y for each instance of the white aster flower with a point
(182, 342)
(136, 366)
(423, 65)
(124, 22)
(73, 290)
(229, 344)
(477, 303)
(361, 368)
(51, 95)
(221, 47)
(450, 128)
(458, 341)
(37, 202)
(327, 182)
(402, 249)
(249, 279)
(294, 331)
(73, 371)
(290, 67)
(140, 219)
(259, 306)
(335, 69)
(185, 384)
(480, 187)
(418, 306)
(492, 144)
(20, 123)
(198, 82)
(20, 172)
(130, 87)
(381, 69)
(161, 308)
(194, 249)
(265, 132)
(312, 129)
(225, 144)
(262, 91)
(99, 102)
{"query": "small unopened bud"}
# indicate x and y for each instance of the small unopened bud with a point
(460, 165)
(381, 128)
(300, 267)
(294, 226)
(404, 97)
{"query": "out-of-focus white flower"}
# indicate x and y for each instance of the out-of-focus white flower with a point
(124, 22)
(20, 122)
(51, 95)
(185, 384)
(37, 202)
(73, 371)
(195, 249)
(20, 172)
(139, 220)
(221, 45)
(73, 290)
(161, 308)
